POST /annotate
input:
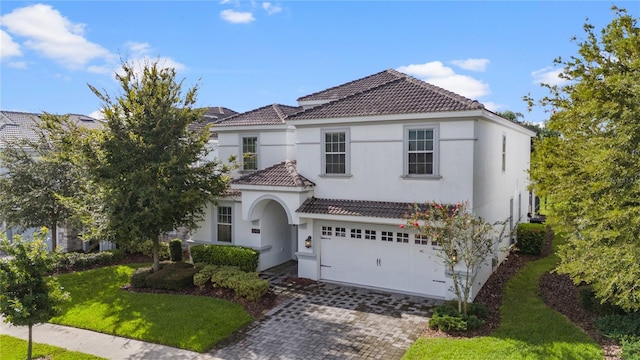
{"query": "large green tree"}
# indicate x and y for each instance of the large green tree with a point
(591, 171)
(27, 295)
(147, 161)
(37, 180)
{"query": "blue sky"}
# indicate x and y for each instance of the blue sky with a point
(247, 54)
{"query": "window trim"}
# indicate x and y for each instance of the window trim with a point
(435, 173)
(347, 152)
(218, 223)
(257, 152)
(503, 152)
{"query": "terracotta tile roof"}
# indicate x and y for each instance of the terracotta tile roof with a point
(212, 115)
(284, 174)
(274, 114)
(379, 209)
(355, 86)
(16, 125)
(396, 93)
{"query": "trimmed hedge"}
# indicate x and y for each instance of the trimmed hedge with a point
(447, 318)
(531, 238)
(175, 249)
(82, 261)
(226, 255)
(146, 248)
(247, 285)
(171, 276)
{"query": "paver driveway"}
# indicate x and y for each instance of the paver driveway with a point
(328, 321)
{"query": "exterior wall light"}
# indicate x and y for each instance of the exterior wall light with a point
(307, 242)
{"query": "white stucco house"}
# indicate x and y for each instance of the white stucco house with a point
(328, 182)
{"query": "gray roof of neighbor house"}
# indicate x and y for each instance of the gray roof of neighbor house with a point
(212, 114)
(379, 209)
(15, 125)
(274, 114)
(283, 174)
(386, 93)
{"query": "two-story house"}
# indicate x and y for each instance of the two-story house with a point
(327, 183)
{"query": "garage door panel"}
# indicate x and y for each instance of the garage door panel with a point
(380, 257)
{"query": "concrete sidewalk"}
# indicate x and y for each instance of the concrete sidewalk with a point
(103, 345)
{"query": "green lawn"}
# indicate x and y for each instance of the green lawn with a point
(12, 348)
(188, 322)
(529, 329)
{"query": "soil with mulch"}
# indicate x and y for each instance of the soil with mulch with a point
(556, 290)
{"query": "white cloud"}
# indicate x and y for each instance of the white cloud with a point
(17, 64)
(271, 8)
(140, 57)
(8, 47)
(437, 74)
(472, 64)
(549, 76)
(53, 36)
(97, 115)
(137, 49)
(490, 105)
(237, 17)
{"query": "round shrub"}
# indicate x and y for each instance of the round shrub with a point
(175, 248)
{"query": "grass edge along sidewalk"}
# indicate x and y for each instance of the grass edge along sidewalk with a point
(188, 322)
(529, 329)
(12, 348)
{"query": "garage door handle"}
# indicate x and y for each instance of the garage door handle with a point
(439, 281)
(325, 265)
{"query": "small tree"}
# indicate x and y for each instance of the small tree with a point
(463, 237)
(27, 295)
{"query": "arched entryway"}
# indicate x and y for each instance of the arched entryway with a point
(276, 234)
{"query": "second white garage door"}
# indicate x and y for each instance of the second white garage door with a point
(381, 257)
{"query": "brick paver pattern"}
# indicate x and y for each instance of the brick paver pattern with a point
(329, 321)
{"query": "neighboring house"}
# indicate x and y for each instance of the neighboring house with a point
(327, 183)
(20, 126)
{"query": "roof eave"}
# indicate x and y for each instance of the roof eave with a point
(268, 188)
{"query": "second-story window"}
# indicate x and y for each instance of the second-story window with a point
(421, 151)
(250, 153)
(335, 158)
(504, 152)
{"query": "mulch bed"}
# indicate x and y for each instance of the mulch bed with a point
(557, 291)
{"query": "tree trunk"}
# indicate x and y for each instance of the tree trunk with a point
(30, 342)
(156, 254)
(54, 236)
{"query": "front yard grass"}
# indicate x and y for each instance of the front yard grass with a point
(529, 329)
(184, 321)
(12, 348)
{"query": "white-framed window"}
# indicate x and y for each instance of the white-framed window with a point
(402, 237)
(421, 150)
(421, 239)
(341, 232)
(335, 152)
(249, 153)
(356, 234)
(224, 223)
(326, 230)
(504, 152)
(386, 236)
(370, 234)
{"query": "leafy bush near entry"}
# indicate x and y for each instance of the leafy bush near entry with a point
(589, 301)
(82, 261)
(249, 286)
(203, 276)
(172, 276)
(226, 255)
(620, 327)
(446, 317)
(222, 277)
(631, 349)
(175, 248)
(531, 238)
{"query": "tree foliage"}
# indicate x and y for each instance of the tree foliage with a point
(27, 295)
(592, 169)
(464, 239)
(147, 161)
(36, 180)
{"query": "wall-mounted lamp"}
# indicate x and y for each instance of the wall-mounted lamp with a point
(307, 242)
(454, 256)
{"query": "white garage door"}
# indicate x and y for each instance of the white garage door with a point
(382, 257)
